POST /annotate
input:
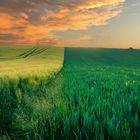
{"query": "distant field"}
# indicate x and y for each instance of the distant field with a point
(101, 94)
(29, 61)
(95, 96)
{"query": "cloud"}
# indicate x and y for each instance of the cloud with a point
(81, 41)
(29, 22)
(131, 5)
(20, 31)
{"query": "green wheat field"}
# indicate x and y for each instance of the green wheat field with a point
(69, 94)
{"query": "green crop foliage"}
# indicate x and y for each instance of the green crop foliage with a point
(24, 73)
(95, 96)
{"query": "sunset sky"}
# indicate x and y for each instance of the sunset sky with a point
(70, 23)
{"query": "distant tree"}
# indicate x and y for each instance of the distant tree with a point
(131, 48)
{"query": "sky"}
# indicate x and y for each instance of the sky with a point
(70, 23)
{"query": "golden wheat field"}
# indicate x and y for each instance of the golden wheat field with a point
(30, 61)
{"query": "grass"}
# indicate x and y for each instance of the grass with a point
(24, 75)
(95, 96)
(102, 94)
(29, 61)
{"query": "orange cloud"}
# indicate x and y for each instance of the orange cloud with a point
(90, 13)
(27, 22)
(20, 31)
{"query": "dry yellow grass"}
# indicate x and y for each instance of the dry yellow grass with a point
(30, 61)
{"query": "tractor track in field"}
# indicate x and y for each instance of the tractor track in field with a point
(28, 53)
(39, 51)
(32, 52)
